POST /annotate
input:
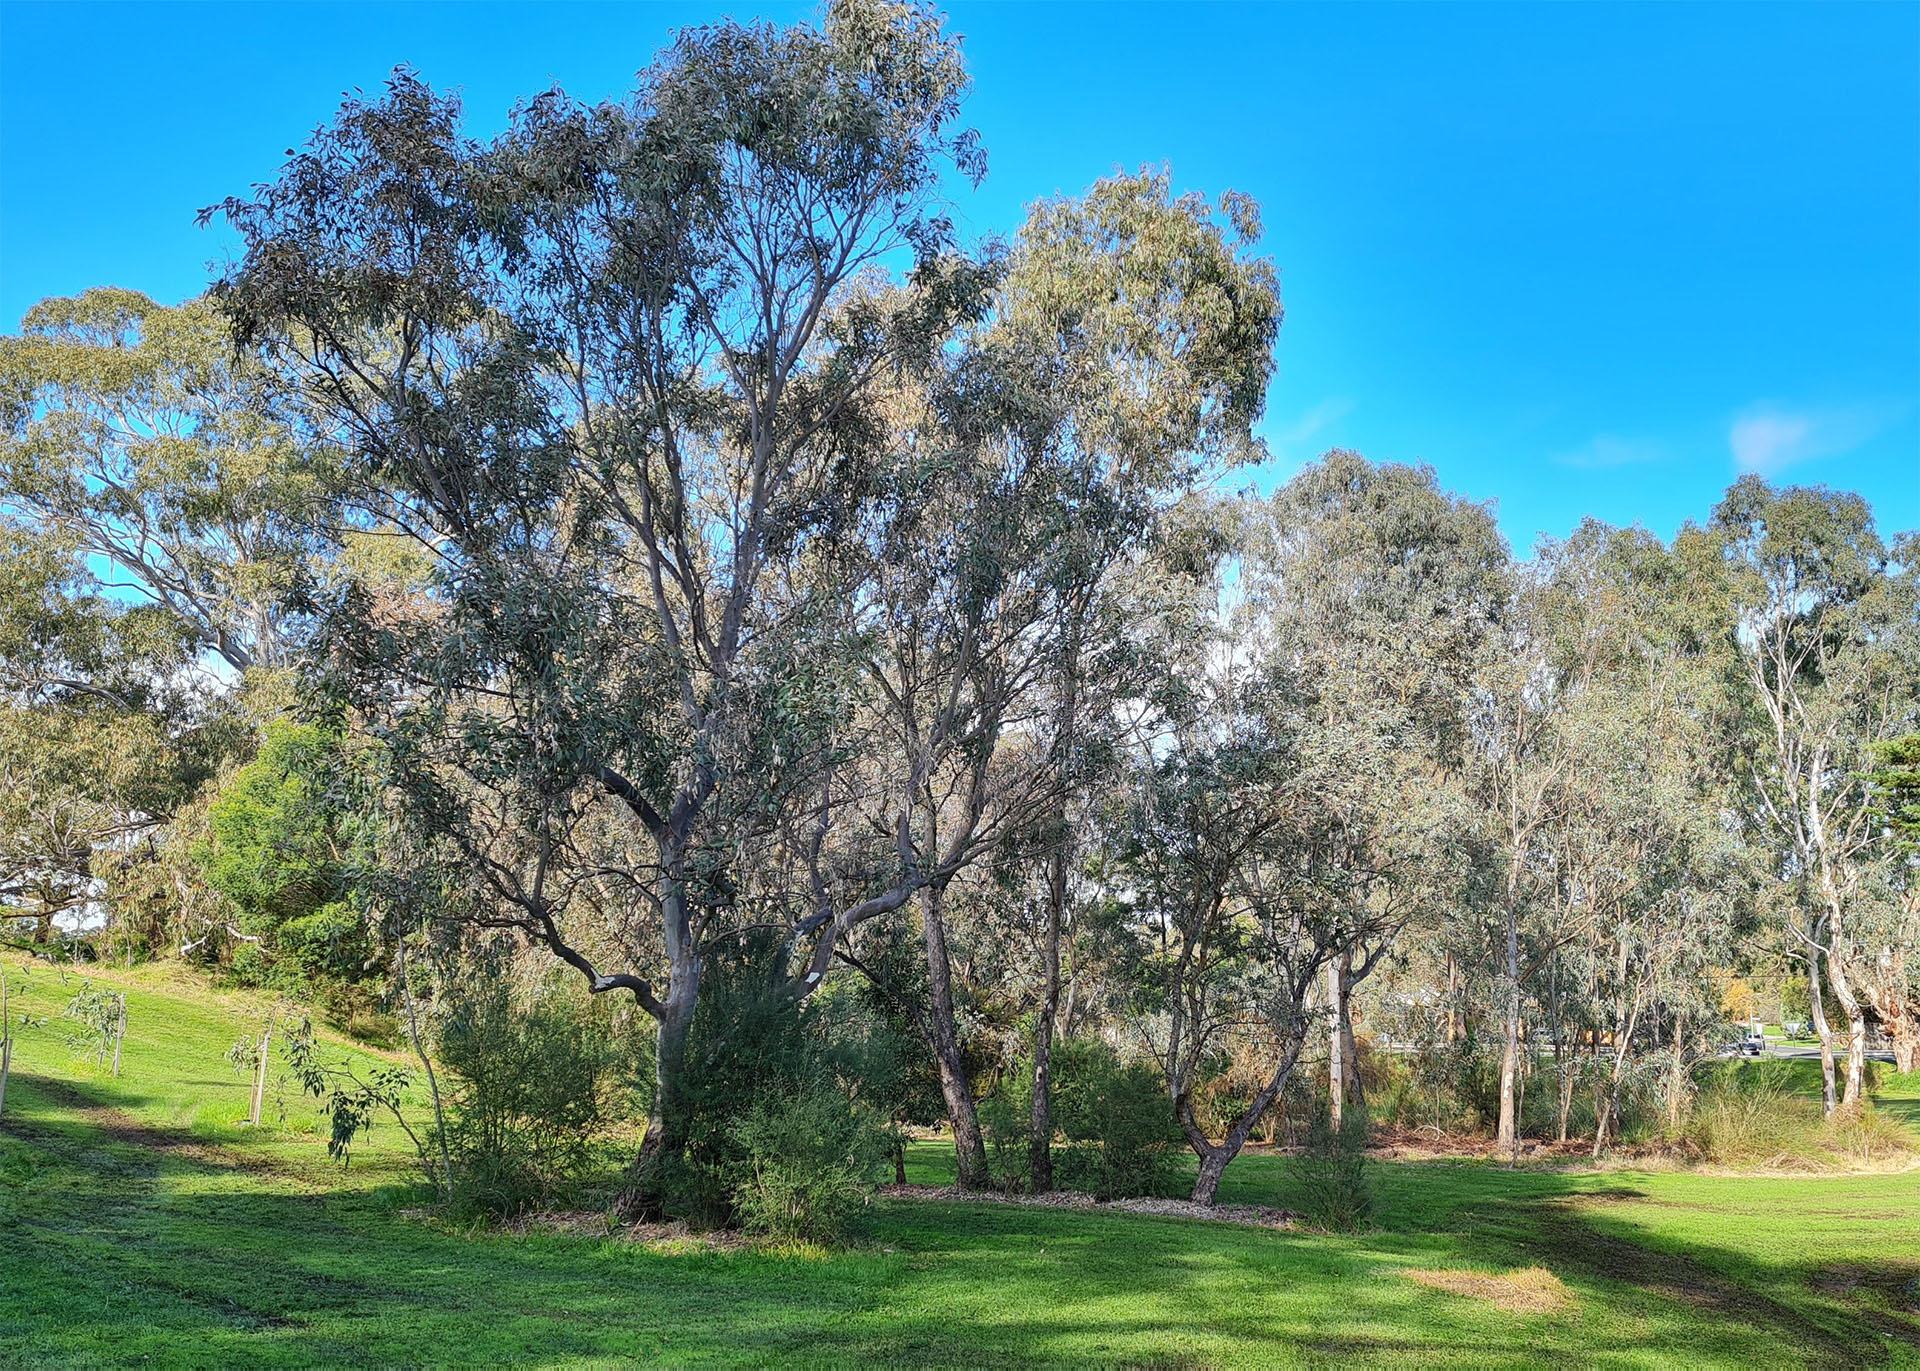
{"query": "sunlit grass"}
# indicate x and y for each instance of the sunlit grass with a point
(248, 1247)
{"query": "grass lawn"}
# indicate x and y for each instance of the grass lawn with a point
(138, 1222)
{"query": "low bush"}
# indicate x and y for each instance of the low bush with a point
(774, 1141)
(1336, 1190)
(808, 1165)
(527, 1102)
(1760, 1114)
(1113, 1116)
(1121, 1135)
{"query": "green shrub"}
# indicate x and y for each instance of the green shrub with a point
(1336, 1192)
(757, 1064)
(528, 1096)
(808, 1165)
(1767, 1114)
(1122, 1138)
(1113, 1116)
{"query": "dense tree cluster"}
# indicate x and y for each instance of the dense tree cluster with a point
(650, 544)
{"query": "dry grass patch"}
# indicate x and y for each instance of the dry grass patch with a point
(1530, 1290)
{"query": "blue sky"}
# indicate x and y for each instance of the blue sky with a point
(1582, 259)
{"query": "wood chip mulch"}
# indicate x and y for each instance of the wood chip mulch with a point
(1246, 1215)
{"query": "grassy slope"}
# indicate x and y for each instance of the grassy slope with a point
(136, 1221)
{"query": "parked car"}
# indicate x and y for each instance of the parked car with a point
(1753, 1045)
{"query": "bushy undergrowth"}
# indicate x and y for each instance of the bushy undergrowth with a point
(1120, 1137)
(1759, 1114)
(528, 1095)
(1336, 1190)
(775, 1138)
(808, 1165)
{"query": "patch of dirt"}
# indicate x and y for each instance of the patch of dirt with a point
(1528, 1290)
(591, 1223)
(1245, 1215)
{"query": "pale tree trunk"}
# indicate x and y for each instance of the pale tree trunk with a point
(1336, 1046)
(1508, 1133)
(1856, 1034)
(1676, 1076)
(969, 1148)
(1453, 999)
(1817, 1011)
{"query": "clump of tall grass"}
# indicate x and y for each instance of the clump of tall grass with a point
(1759, 1114)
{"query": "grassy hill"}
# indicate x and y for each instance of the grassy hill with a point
(140, 1220)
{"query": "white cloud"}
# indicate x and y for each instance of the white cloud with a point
(1310, 425)
(1608, 450)
(1767, 439)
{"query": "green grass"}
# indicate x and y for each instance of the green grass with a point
(139, 1222)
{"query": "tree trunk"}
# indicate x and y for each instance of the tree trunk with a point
(1906, 1046)
(1040, 1140)
(969, 1149)
(1213, 1165)
(1817, 1011)
(1677, 1077)
(1040, 1126)
(1453, 994)
(119, 1034)
(1856, 1035)
(1336, 1045)
(643, 1194)
(1508, 1133)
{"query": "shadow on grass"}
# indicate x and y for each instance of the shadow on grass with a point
(196, 1258)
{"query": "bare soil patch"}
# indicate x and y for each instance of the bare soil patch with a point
(1246, 1215)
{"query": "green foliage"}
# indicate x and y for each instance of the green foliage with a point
(278, 848)
(529, 1094)
(752, 1052)
(1334, 1173)
(98, 1011)
(808, 1164)
(1122, 1138)
(351, 1094)
(1119, 1128)
(1760, 1114)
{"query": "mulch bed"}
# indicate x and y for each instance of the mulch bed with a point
(1246, 1215)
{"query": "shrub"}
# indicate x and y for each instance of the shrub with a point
(1763, 1114)
(527, 1102)
(1120, 1130)
(1335, 1188)
(761, 1077)
(808, 1165)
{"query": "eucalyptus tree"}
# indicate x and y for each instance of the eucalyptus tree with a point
(616, 373)
(1826, 623)
(1125, 361)
(1381, 591)
(1230, 837)
(136, 440)
(96, 737)
(1646, 876)
(1895, 991)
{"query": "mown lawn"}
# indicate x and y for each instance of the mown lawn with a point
(138, 1223)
